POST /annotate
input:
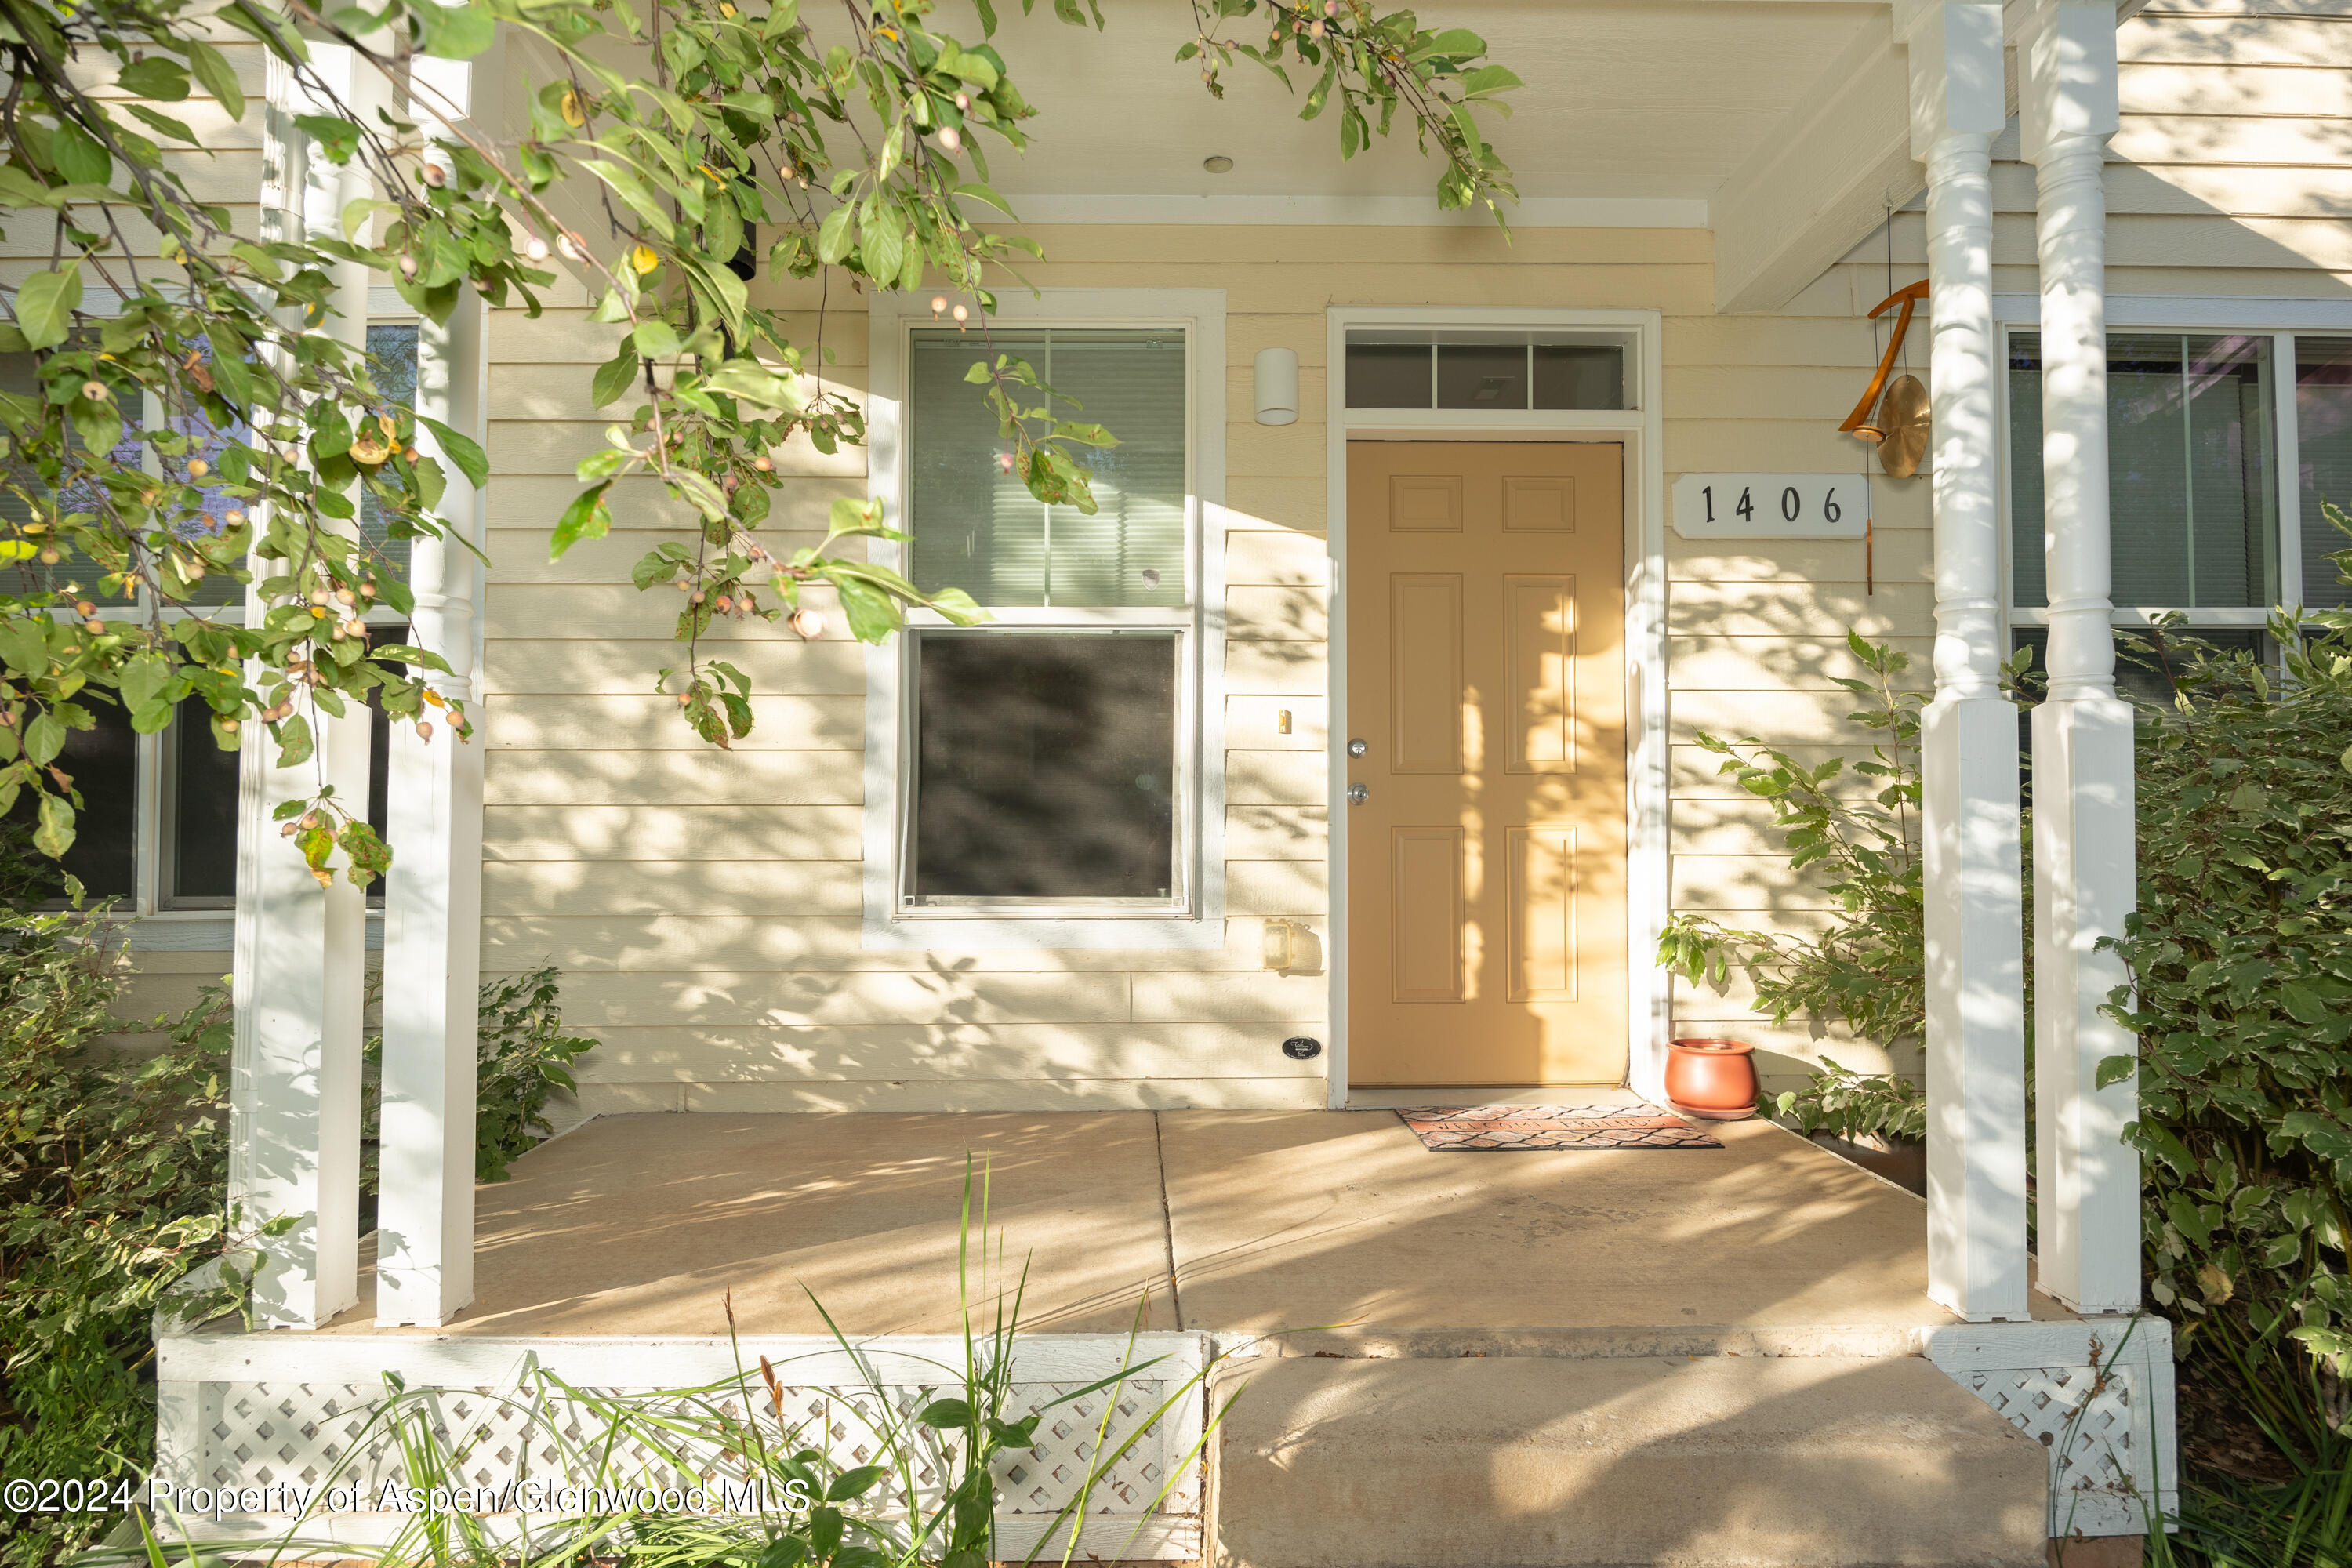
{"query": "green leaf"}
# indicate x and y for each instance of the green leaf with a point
(602, 464)
(157, 77)
(833, 235)
(462, 450)
(754, 382)
(294, 742)
(655, 339)
(164, 124)
(871, 612)
(946, 1413)
(217, 75)
(55, 834)
(616, 376)
(852, 1483)
(453, 32)
(46, 303)
(336, 138)
(587, 518)
(45, 737)
(80, 159)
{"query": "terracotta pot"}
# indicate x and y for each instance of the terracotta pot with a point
(1713, 1079)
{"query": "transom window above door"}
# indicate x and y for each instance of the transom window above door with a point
(1494, 372)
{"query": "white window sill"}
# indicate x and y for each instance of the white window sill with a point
(1001, 934)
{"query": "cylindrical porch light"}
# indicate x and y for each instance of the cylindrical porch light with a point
(1275, 378)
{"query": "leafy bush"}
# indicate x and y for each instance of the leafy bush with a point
(524, 1058)
(113, 1185)
(1869, 968)
(113, 1178)
(1854, 1106)
(2240, 958)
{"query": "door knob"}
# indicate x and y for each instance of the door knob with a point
(1357, 747)
(1359, 793)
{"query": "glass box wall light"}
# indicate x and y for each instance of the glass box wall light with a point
(1497, 370)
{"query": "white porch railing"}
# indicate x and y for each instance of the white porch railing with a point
(260, 1414)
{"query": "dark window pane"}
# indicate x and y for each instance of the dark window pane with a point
(1045, 766)
(1482, 375)
(392, 355)
(1389, 376)
(200, 813)
(103, 762)
(2323, 410)
(1580, 375)
(378, 813)
(2028, 585)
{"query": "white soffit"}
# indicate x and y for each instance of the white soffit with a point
(1635, 112)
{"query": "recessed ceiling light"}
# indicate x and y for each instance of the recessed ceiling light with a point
(1218, 165)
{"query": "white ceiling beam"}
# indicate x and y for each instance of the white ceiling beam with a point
(1824, 179)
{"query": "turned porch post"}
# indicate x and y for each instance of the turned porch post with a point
(300, 975)
(2087, 1199)
(1975, 960)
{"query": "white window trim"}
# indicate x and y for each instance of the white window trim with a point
(2281, 320)
(890, 320)
(1648, 994)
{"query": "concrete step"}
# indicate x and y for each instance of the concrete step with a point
(1649, 1462)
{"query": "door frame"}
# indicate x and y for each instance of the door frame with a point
(1640, 429)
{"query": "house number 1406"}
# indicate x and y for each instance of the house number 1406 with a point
(1770, 506)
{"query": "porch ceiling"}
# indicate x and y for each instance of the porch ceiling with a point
(642, 1225)
(1657, 98)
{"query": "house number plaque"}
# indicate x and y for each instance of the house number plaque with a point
(1771, 506)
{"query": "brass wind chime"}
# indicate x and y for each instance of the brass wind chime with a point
(1891, 415)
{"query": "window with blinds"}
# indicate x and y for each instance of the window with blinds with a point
(1049, 760)
(2323, 412)
(2191, 465)
(975, 525)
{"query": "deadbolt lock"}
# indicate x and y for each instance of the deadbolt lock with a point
(1357, 747)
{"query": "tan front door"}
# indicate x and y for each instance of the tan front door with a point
(1487, 679)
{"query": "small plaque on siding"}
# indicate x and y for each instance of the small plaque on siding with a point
(1771, 506)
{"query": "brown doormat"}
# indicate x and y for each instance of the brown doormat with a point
(1443, 1127)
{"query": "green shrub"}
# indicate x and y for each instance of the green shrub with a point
(113, 1185)
(1868, 969)
(113, 1176)
(524, 1058)
(2240, 958)
(1854, 1106)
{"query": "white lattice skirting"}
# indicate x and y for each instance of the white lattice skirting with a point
(2097, 1394)
(254, 1412)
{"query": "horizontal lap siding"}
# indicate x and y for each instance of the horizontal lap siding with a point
(705, 906)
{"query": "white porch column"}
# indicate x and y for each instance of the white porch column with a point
(2087, 1198)
(301, 959)
(1976, 1052)
(432, 946)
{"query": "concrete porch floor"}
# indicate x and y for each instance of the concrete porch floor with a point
(1225, 1221)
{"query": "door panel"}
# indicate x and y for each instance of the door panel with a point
(1486, 674)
